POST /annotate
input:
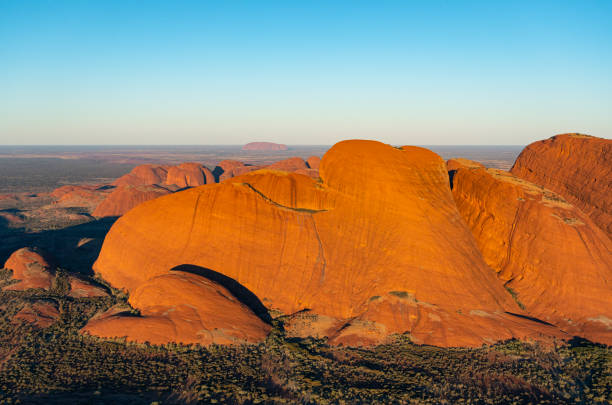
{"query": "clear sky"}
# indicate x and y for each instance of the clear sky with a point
(303, 72)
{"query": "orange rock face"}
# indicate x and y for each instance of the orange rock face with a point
(552, 256)
(264, 146)
(143, 175)
(183, 307)
(80, 288)
(31, 268)
(289, 165)
(375, 247)
(454, 164)
(124, 198)
(189, 175)
(225, 169)
(578, 167)
(314, 162)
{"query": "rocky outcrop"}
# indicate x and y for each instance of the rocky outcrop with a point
(143, 175)
(578, 167)
(80, 196)
(289, 165)
(81, 288)
(186, 308)
(375, 247)
(550, 255)
(454, 164)
(189, 175)
(124, 198)
(32, 267)
(42, 314)
(269, 146)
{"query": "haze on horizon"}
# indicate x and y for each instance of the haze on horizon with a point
(436, 72)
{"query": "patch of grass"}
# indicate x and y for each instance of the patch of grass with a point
(515, 297)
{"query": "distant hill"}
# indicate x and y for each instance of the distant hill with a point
(264, 146)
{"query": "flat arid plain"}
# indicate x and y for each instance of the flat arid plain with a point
(354, 273)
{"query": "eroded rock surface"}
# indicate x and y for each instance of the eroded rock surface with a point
(124, 198)
(576, 166)
(550, 254)
(32, 267)
(182, 307)
(375, 247)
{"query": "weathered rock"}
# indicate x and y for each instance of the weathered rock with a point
(578, 167)
(189, 175)
(186, 308)
(264, 146)
(377, 245)
(549, 253)
(289, 165)
(80, 196)
(454, 164)
(124, 198)
(143, 175)
(314, 162)
(225, 169)
(80, 288)
(42, 314)
(32, 267)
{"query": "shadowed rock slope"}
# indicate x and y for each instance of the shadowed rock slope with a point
(375, 247)
(549, 253)
(579, 167)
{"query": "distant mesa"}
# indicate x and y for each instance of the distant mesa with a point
(269, 146)
(552, 258)
(578, 167)
(374, 247)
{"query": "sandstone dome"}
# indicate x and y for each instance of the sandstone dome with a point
(375, 247)
(576, 166)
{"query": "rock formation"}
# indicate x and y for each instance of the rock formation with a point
(454, 164)
(81, 288)
(42, 314)
(80, 196)
(264, 146)
(313, 162)
(186, 308)
(576, 166)
(33, 269)
(555, 260)
(375, 247)
(289, 165)
(124, 198)
(189, 175)
(143, 175)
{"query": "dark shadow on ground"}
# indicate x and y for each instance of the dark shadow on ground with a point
(62, 244)
(238, 290)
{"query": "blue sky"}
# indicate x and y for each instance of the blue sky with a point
(303, 72)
